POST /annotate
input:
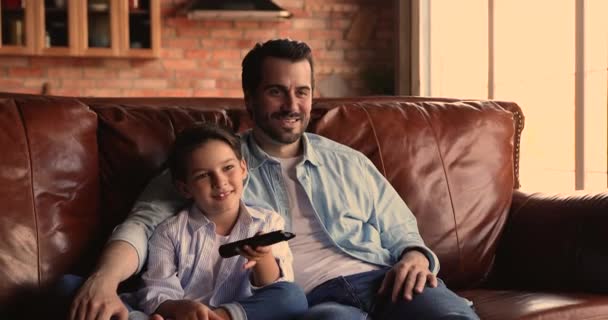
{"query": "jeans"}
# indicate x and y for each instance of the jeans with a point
(354, 297)
(278, 301)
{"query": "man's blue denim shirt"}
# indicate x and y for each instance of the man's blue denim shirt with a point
(359, 209)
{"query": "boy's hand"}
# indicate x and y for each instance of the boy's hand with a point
(188, 309)
(254, 255)
(262, 262)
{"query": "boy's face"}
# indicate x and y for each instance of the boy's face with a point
(214, 178)
(282, 102)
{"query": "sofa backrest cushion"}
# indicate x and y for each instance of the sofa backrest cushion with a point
(49, 179)
(134, 142)
(452, 161)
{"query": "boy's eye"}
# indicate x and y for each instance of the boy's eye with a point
(274, 92)
(228, 167)
(202, 175)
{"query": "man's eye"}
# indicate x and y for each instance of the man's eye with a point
(303, 93)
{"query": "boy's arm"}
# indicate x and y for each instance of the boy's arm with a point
(186, 309)
(161, 281)
(266, 270)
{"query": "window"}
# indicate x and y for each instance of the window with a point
(548, 56)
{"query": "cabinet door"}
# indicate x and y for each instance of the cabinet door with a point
(99, 27)
(17, 26)
(141, 35)
(56, 32)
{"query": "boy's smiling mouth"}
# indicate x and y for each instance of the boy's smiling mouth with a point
(222, 195)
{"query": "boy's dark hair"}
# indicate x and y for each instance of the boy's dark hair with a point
(279, 48)
(193, 137)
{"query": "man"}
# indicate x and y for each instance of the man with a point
(357, 250)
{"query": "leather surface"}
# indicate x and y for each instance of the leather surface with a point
(451, 161)
(527, 305)
(555, 242)
(70, 169)
(50, 187)
(18, 238)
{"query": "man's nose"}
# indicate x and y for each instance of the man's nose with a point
(291, 103)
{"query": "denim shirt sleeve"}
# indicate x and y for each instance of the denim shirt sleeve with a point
(397, 225)
(158, 201)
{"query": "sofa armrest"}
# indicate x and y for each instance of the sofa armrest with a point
(554, 242)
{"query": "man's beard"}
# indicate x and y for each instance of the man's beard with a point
(278, 134)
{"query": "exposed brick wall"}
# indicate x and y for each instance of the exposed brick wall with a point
(202, 57)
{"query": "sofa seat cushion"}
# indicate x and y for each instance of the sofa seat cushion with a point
(526, 305)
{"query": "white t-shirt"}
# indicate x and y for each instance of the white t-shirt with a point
(215, 255)
(316, 257)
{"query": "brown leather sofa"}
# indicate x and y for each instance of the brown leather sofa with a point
(70, 169)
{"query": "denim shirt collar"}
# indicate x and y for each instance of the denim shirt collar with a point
(257, 157)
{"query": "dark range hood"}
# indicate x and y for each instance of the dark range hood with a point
(235, 9)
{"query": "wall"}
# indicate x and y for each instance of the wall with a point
(202, 58)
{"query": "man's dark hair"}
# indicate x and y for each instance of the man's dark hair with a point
(193, 137)
(279, 48)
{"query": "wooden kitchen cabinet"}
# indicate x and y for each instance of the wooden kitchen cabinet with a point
(89, 28)
(56, 27)
(16, 28)
(141, 35)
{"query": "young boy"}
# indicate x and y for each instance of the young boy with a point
(186, 277)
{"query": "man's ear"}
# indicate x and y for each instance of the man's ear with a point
(249, 104)
(182, 188)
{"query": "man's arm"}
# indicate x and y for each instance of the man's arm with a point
(395, 222)
(126, 251)
(97, 298)
(415, 264)
(159, 201)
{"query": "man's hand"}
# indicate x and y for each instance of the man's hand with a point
(97, 299)
(408, 276)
